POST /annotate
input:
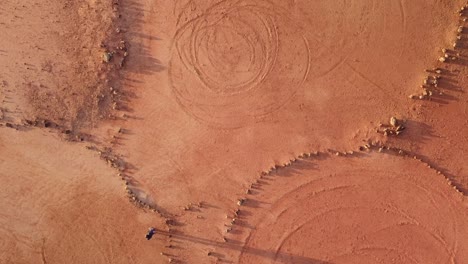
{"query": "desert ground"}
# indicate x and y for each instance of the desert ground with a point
(243, 131)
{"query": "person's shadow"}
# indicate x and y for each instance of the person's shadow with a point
(280, 257)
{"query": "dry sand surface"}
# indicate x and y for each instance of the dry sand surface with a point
(61, 206)
(244, 131)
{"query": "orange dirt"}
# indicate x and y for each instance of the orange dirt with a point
(201, 105)
(61, 206)
(365, 208)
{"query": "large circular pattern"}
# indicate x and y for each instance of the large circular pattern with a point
(341, 215)
(238, 60)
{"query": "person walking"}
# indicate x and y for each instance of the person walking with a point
(150, 233)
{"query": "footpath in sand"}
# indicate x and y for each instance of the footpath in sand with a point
(244, 131)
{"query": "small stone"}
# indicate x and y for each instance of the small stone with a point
(106, 57)
(393, 121)
(442, 59)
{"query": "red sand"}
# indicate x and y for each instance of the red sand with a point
(360, 209)
(61, 206)
(201, 97)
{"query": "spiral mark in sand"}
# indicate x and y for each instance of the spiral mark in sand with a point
(237, 61)
(344, 216)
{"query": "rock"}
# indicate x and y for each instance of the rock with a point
(106, 57)
(393, 121)
(442, 59)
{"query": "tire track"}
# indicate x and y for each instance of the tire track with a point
(231, 55)
(449, 249)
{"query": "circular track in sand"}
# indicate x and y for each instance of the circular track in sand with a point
(348, 211)
(228, 61)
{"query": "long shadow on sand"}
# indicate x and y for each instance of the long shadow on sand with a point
(140, 60)
(237, 246)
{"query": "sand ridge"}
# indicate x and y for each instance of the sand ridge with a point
(166, 155)
(379, 243)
